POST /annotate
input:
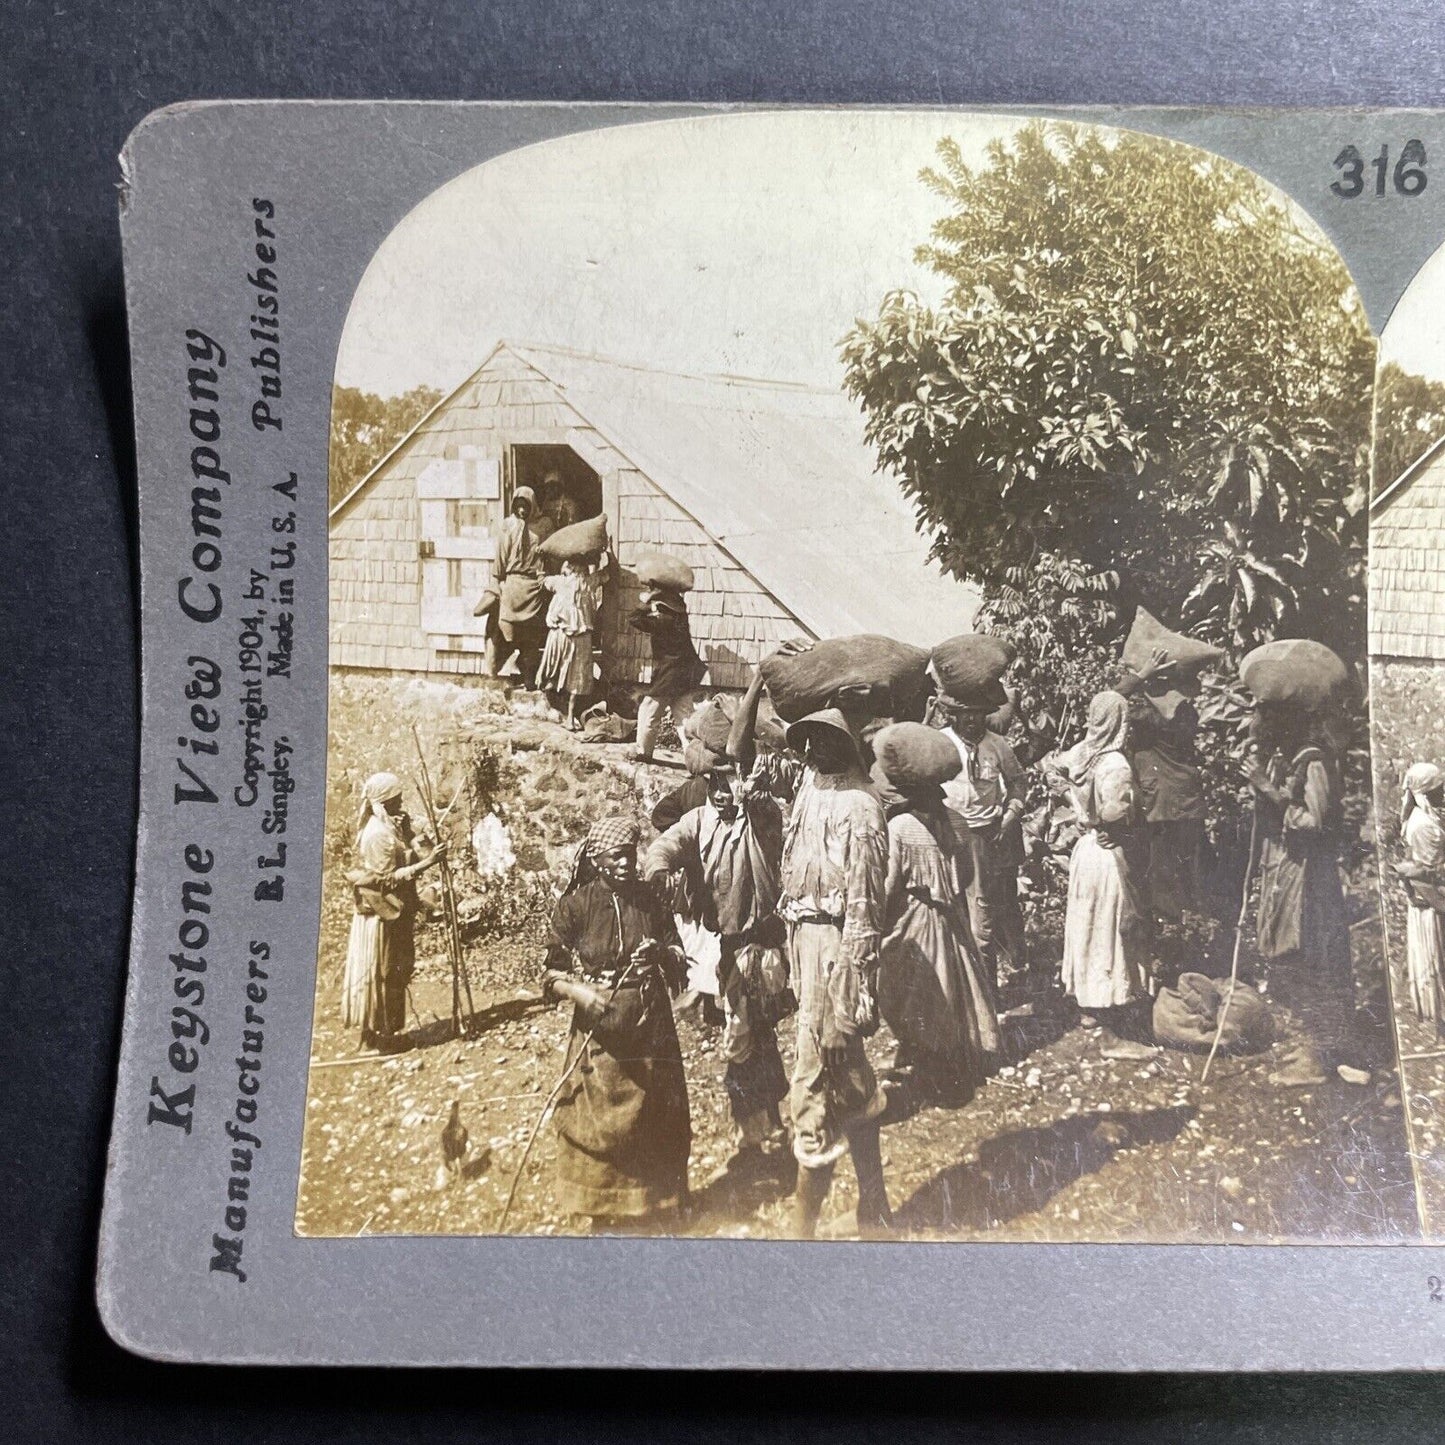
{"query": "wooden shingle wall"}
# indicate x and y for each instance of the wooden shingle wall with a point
(1407, 569)
(377, 574)
(735, 623)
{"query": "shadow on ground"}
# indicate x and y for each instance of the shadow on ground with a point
(1019, 1172)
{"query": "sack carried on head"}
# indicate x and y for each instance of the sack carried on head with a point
(658, 569)
(867, 676)
(1295, 673)
(1189, 655)
(970, 668)
(579, 542)
(912, 757)
(1186, 1016)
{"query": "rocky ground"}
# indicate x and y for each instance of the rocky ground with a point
(1061, 1144)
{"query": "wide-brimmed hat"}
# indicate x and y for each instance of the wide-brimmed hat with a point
(828, 719)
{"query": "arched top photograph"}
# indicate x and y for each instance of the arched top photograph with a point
(847, 684)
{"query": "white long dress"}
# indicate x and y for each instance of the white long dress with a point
(1102, 967)
(1424, 927)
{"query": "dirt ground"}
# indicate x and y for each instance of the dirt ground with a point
(1060, 1145)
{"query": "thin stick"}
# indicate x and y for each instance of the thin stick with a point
(348, 1060)
(1238, 942)
(460, 975)
(546, 1108)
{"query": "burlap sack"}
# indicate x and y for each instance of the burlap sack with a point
(1295, 673)
(1186, 1016)
(658, 569)
(912, 756)
(864, 675)
(969, 669)
(580, 542)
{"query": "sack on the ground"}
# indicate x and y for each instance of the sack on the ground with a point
(867, 675)
(912, 756)
(1186, 1016)
(970, 668)
(607, 727)
(1295, 672)
(579, 542)
(659, 569)
(1190, 656)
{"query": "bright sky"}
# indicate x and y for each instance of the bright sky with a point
(744, 243)
(1414, 336)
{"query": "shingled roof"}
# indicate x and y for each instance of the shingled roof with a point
(1407, 575)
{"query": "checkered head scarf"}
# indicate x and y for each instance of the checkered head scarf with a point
(614, 832)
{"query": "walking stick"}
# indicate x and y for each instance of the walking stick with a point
(549, 1101)
(460, 975)
(1238, 941)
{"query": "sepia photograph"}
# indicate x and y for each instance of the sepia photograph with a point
(850, 701)
(1407, 682)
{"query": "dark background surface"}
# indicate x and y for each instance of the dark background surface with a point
(74, 78)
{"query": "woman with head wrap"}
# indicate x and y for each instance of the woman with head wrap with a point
(934, 992)
(623, 1126)
(1107, 921)
(381, 950)
(517, 572)
(1423, 872)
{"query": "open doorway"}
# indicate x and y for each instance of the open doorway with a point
(567, 489)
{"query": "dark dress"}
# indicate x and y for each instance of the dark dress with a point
(1171, 790)
(1302, 927)
(623, 1126)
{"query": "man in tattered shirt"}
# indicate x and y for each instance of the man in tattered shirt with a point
(729, 849)
(833, 878)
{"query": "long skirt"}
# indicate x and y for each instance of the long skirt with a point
(1176, 866)
(380, 957)
(1104, 965)
(938, 1001)
(1425, 958)
(566, 664)
(623, 1126)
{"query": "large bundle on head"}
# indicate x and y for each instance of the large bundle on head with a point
(1148, 635)
(865, 675)
(1295, 673)
(970, 669)
(580, 542)
(659, 569)
(911, 756)
(711, 726)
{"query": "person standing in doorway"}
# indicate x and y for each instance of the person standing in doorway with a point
(518, 571)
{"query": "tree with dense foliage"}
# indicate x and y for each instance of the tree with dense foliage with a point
(1149, 370)
(1409, 418)
(364, 427)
